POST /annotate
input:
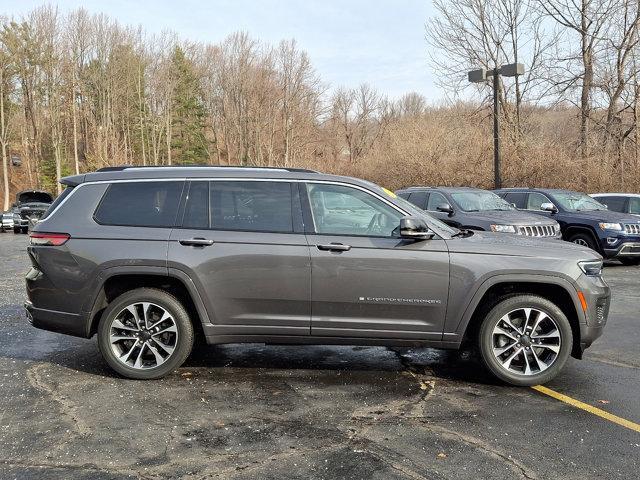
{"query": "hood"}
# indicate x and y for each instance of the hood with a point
(33, 196)
(519, 246)
(510, 217)
(605, 216)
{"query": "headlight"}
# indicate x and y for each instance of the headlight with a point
(503, 228)
(591, 268)
(611, 226)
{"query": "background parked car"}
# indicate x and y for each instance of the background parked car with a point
(477, 209)
(583, 220)
(6, 221)
(29, 207)
(620, 202)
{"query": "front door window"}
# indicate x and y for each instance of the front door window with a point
(341, 210)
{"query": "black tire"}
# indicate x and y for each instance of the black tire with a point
(25, 229)
(485, 339)
(16, 230)
(168, 302)
(584, 239)
(629, 261)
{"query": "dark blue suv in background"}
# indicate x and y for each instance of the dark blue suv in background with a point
(583, 220)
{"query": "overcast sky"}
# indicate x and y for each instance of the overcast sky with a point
(349, 41)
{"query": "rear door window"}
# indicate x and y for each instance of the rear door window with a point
(419, 199)
(140, 204)
(254, 206)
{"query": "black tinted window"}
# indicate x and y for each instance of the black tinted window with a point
(519, 199)
(196, 213)
(616, 204)
(419, 199)
(251, 206)
(634, 205)
(142, 204)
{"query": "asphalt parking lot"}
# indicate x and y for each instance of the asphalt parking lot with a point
(255, 411)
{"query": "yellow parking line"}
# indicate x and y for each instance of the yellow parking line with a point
(588, 408)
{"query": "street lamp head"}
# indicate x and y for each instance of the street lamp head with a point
(478, 76)
(512, 70)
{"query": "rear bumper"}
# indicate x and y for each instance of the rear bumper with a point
(59, 322)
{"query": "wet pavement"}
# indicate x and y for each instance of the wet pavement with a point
(312, 412)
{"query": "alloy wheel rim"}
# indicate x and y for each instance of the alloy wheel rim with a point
(580, 241)
(526, 341)
(143, 335)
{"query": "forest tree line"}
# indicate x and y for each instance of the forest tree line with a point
(79, 91)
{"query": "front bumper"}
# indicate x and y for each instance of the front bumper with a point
(59, 322)
(597, 295)
(624, 249)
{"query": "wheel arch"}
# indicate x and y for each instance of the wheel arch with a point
(119, 281)
(586, 229)
(556, 290)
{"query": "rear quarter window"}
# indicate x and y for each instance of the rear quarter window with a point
(140, 204)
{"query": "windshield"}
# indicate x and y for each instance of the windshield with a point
(480, 201)
(577, 202)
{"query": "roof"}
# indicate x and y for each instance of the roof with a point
(193, 172)
(527, 189)
(637, 195)
(444, 189)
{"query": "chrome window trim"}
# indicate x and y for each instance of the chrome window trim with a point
(224, 179)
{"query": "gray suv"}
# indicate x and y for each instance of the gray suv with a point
(148, 259)
(477, 209)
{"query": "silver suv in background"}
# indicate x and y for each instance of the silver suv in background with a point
(149, 258)
(620, 202)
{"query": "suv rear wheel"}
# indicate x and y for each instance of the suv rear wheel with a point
(145, 334)
(525, 340)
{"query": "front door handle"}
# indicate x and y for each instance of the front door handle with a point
(196, 242)
(334, 247)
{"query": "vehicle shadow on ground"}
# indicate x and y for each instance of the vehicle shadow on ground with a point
(84, 356)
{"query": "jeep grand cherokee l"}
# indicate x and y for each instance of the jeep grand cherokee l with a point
(148, 258)
(583, 220)
(477, 209)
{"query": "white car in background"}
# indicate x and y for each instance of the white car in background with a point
(620, 202)
(6, 221)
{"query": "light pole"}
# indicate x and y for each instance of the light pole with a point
(481, 76)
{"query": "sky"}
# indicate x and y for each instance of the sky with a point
(349, 42)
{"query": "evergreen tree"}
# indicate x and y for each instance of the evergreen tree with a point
(188, 142)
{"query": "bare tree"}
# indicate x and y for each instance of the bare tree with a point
(589, 20)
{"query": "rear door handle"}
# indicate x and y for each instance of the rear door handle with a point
(196, 242)
(334, 247)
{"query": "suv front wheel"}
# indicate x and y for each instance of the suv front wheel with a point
(145, 334)
(525, 340)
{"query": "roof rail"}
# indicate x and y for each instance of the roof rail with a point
(120, 168)
(514, 188)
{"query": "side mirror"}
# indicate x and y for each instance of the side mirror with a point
(549, 207)
(414, 228)
(445, 207)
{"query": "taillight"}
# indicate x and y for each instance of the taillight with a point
(49, 239)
